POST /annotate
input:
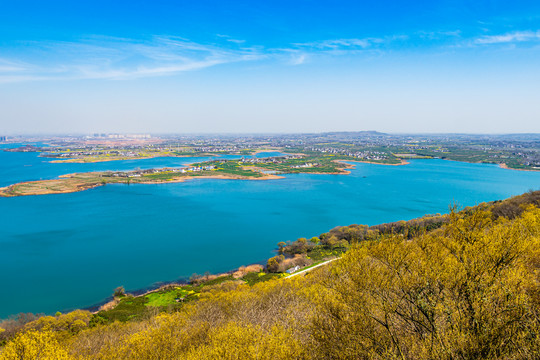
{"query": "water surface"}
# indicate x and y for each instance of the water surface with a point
(71, 250)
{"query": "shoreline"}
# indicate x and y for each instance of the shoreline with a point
(216, 177)
(157, 286)
(267, 150)
(501, 165)
(111, 301)
(68, 183)
(82, 161)
(504, 166)
(5, 191)
(403, 162)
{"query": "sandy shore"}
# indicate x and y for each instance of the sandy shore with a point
(504, 166)
(222, 177)
(47, 187)
(267, 150)
(403, 162)
(343, 171)
(85, 161)
(5, 191)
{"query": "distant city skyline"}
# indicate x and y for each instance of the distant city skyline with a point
(269, 67)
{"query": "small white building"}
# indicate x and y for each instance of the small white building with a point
(293, 269)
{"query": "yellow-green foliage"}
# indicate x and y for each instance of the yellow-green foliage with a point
(259, 322)
(72, 322)
(234, 341)
(34, 345)
(468, 290)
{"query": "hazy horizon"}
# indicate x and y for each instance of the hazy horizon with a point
(45, 134)
(279, 67)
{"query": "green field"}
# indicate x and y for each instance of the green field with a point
(165, 298)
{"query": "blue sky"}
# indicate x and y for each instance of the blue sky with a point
(269, 66)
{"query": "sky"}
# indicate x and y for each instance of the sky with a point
(269, 66)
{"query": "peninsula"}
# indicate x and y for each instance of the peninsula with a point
(243, 169)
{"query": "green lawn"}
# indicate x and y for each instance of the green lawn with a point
(164, 298)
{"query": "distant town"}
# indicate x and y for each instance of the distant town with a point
(515, 151)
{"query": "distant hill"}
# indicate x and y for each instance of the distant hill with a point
(355, 133)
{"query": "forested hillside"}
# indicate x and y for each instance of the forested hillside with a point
(460, 286)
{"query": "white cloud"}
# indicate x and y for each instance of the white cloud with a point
(7, 66)
(298, 59)
(513, 37)
(101, 57)
(349, 46)
(236, 41)
(10, 69)
(229, 39)
(439, 35)
(114, 58)
(335, 44)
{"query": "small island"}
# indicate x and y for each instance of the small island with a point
(242, 169)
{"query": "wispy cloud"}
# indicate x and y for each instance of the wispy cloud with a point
(299, 59)
(348, 44)
(100, 57)
(7, 66)
(439, 35)
(512, 37)
(114, 58)
(334, 44)
(236, 41)
(229, 39)
(291, 56)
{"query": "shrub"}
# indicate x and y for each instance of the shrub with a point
(39, 345)
(119, 292)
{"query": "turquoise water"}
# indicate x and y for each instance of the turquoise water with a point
(71, 250)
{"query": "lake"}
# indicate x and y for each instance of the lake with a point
(67, 251)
